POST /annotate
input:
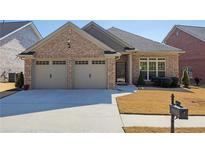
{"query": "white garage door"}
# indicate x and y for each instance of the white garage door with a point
(90, 74)
(50, 74)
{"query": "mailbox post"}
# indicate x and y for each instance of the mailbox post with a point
(172, 115)
(177, 112)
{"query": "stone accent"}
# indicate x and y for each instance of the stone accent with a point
(172, 65)
(111, 66)
(28, 72)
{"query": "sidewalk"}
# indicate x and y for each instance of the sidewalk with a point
(161, 121)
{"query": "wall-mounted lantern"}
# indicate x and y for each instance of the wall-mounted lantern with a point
(68, 43)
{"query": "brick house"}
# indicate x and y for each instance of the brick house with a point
(192, 40)
(15, 37)
(94, 57)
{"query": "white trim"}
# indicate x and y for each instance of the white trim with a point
(130, 68)
(15, 31)
(154, 52)
(36, 30)
(112, 55)
(147, 61)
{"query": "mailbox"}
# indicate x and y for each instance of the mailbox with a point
(179, 111)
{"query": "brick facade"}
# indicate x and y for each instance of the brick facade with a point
(111, 66)
(81, 48)
(57, 46)
(195, 52)
(28, 72)
(172, 65)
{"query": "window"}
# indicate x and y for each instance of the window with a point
(42, 62)
(152, 67)
(81, 62)
(98, 62)
(59, 62)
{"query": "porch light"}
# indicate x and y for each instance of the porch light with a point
(68, 43)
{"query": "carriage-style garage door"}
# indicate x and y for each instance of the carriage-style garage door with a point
(50, 74)
(90, 74)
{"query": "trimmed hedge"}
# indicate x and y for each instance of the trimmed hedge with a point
(175, 82)
(166, 82)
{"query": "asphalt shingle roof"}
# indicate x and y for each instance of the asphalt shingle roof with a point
(8, 27)
(140, 43)
(198, 32)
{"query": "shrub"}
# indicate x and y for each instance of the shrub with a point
(156, 81)
(141, 81)
(166, 82)
(175, 82)
(185, 79)
(19, 81)
(197, 80)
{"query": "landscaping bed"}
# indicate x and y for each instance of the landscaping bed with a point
(155, 101)
(6, 86)
(163, 130)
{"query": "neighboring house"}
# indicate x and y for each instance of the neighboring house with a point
(15, 37)
(93, 57)
(192, 40)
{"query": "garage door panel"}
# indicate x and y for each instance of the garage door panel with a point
(89, 75)
(41, 74)
(99, 76)
(50, 75)
(59, 76)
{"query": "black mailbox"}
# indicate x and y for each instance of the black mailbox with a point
(179, 111)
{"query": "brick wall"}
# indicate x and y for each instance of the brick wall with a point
(57, 46)
(81, 48)
(195, 52)
(111, 64)
(172, 65)
(28, 72)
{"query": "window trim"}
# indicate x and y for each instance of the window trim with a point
(98, 62)
(59, 62)
(81, 62)
(142, 59)
(42, 62)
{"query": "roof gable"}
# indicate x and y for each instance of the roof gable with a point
(195, 31)
(9, 27)
(141, 43)
(66, 33)
(106, 37)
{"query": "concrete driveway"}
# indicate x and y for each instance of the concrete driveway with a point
(61, 111)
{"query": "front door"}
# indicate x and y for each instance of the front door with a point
(121, 72)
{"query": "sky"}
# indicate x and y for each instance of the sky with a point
(152, 29)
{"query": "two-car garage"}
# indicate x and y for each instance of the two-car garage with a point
(53, 74)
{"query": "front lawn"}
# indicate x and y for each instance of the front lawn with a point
(156, 101)
(163, 130)
(6, 86)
